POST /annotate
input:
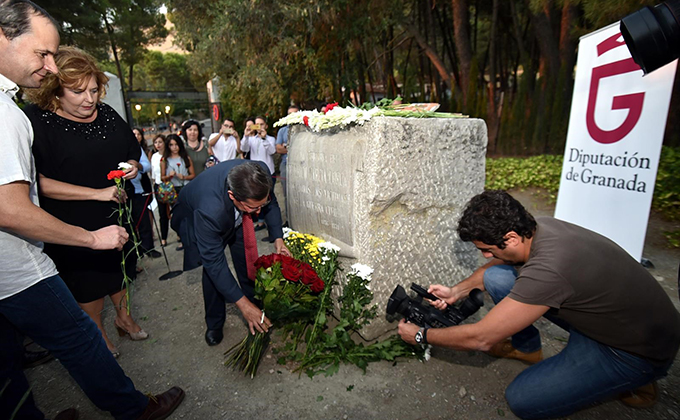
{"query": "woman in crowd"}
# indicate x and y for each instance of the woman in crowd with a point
(196, 147)
(246, 133)
(139, 135)
(146, 185)
(176, 166)
(159, 144)
(78, 141)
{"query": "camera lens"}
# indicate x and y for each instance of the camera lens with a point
(653, 35)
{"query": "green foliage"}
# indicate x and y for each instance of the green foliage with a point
(673, 238)
(544, 172)
(537, 171)
(667, 189)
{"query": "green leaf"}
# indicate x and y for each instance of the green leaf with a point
(319, 398)
(350, 388)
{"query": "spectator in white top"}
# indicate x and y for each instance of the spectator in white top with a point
(225, 145)
(260, 145)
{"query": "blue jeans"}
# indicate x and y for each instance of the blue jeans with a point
(48, 313)
(585, 372)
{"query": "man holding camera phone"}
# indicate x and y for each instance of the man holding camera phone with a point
(260, 145)
(624, 329)
(225, 145)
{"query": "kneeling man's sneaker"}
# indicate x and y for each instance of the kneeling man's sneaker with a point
(643, 397)
(505, 350)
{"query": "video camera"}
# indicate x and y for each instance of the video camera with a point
(652, 35)
(424, 315)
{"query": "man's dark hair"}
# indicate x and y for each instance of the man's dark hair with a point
(262, 118)
(230, 120)
(15, 17)
(249, 181)
(295, 107)
(491, 215)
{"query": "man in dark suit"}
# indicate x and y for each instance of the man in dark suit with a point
(212, 212)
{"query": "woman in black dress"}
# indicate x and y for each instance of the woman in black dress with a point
(78, 141)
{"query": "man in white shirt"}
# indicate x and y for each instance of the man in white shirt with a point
(225, 145)
(34, 300)
(260, 145)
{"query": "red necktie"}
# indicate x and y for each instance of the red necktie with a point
(249, 244)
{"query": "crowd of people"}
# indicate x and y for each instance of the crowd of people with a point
(63, 250)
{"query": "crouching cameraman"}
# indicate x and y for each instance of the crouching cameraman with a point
(624, 330)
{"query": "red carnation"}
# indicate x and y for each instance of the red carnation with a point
(305, 119)
(115, 174)
(330, 106)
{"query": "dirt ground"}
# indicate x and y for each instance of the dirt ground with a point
(452, 385)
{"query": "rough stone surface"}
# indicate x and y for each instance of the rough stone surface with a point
(389, 193)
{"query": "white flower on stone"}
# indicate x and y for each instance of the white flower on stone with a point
(325, 258)
(124, 166)
(362, 270)
(328, 247)
(287, 232)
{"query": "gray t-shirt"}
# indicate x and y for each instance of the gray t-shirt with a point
(599, 289)
(22, 262)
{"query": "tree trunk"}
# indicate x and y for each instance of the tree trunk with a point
(492, 115)
(461, 31)
(433, 56)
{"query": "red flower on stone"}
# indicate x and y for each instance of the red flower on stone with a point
(330, 106)
(305, 119)
(115, 174)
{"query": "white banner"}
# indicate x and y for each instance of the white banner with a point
(614, 140)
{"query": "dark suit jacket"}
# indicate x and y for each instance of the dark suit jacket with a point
(204, 218)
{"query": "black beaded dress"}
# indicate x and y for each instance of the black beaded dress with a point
(83, 154)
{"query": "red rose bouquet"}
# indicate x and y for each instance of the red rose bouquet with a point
(288, 289)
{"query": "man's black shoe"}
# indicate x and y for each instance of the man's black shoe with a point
(36, 358)
(260, 227)
(213, 337)
(154, 254)
(268, 239)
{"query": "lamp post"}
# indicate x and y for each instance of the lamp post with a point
(159, 114)
(138, 108)
(167, 118)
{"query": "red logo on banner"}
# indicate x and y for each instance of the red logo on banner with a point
(632, 102)
(216, 112)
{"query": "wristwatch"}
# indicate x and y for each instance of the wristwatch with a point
(421, 336)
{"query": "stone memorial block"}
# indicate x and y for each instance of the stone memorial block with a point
(389, 194)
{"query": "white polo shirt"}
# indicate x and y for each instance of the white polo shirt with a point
(22, 261)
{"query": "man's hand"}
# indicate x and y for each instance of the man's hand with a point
(109, 237)
(446, 295)
(111, 194)
(407, 331)
(253, 316)
(281, 248)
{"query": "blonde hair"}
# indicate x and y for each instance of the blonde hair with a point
(75, 67)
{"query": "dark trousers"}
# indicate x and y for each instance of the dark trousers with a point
(140, 217)
(213, 298)
(48, 313)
